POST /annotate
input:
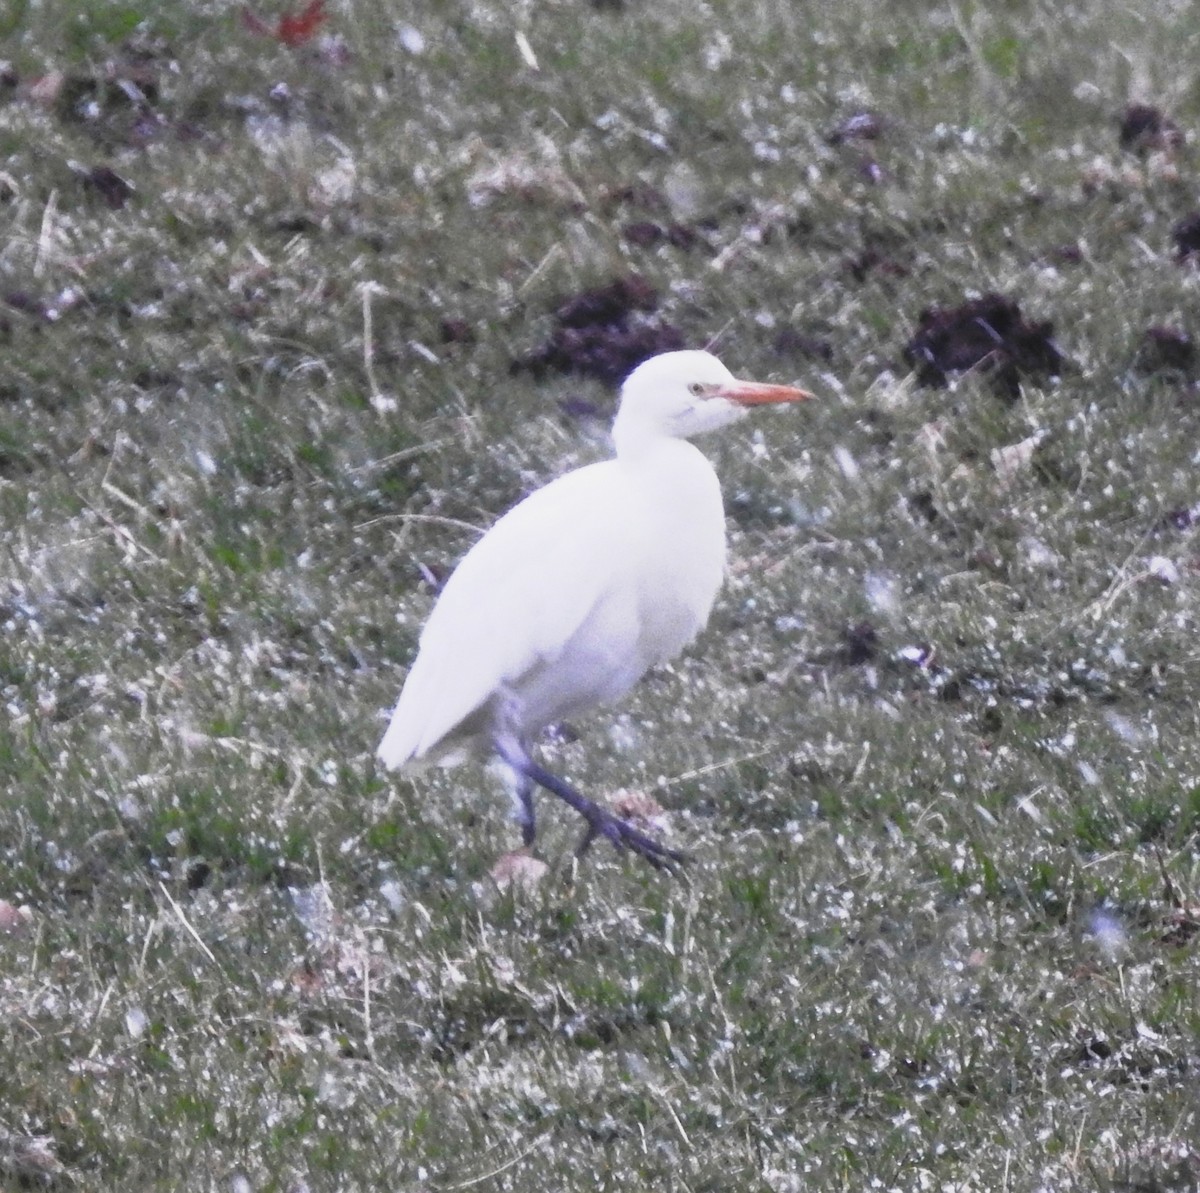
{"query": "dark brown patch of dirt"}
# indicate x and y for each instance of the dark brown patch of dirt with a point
(987, 334)
(608, 352)
(456, 331)
(791, 342)
(1145, 128)
(872, 262)
(604, 332)
(860, 644)
(109, 185)
(1166, 349)
(610, 303)
(645, 234)
(1180, 928)
(1182, 518)
(117, 101)
(684, 236)
(639, 195)
(21, 300)
(295, 223)
(1186, 235)
(1064, 254)
(923, 506)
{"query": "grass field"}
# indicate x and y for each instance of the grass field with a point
(936, 758)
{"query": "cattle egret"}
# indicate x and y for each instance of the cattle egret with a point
(578, 591)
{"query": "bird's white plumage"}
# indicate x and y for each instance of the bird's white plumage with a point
(565, 603)
(585, 585)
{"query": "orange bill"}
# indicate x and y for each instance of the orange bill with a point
(757, 393)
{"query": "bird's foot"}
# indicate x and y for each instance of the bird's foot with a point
(600, 821)
(623, 835)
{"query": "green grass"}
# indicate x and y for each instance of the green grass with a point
(938, 932)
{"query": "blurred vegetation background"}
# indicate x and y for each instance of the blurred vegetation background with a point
(295, 302)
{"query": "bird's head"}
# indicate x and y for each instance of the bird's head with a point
(680, 394)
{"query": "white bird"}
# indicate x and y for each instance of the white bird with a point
(575, 593)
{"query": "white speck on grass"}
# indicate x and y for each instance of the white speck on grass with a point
(1124, 728)
(832, 383)
(718, 51)
(624, 735)
(881, 592)
(411, 39)
(804, 515)
(335, 1093)
(136, 1022)
(846, 462)
(1108, 933)
(1161, 568)
(393, 894)
(1037, 553)
(313, 910)
(66, 299)
(685, 192)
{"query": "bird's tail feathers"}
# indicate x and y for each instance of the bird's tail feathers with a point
(397, 749)
(400, 750)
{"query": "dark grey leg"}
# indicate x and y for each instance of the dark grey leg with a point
(600, 821)
(525, 815)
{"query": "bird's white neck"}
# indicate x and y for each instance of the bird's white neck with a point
(635, 436)
(632, 437)
(638, 431)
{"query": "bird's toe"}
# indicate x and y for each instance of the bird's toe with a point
(625, 836)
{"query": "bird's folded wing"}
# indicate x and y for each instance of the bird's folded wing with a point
(512, 604)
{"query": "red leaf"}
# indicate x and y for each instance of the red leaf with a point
(296, 30)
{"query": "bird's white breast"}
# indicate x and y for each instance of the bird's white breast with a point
(682, 541)
(567, 601)
(660, 547)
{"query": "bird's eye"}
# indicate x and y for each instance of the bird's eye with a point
(697, 389)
